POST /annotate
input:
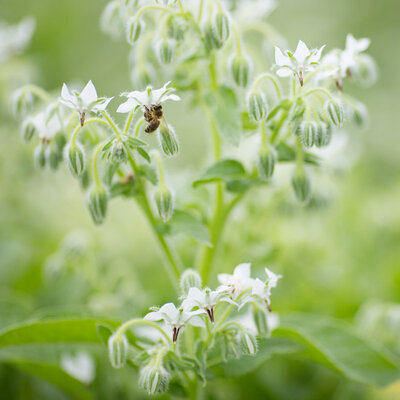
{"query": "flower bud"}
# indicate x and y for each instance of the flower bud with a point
(154, 378)
(358, 115)
(84, 179)
(211, 40)
(166, 51)
(257, 106)
(301, 184)
(60, 141)
(176, 27)
(221, 26)
(39, 156)
(111, 21)
(28, 130)
(334, 109)
(190, 278)
(96, 202)
(260, 320)
(119, 153)
(21, 102)
(324, 134)
(117, 350)
(75, 158)
(134, 28)
(309, 131)
(168, 139)
(248, 342)
(366, 71)
(164, 202)
(53, 157)
(240, 67)
(267, 158)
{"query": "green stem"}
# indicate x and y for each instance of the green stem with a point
(88, 121)
(316, 90)
(146, 8)
(95, 163)
(200, 14)
(269, 76)
(173, 264)
(39, 92)
(238, 40)
(128, 121)
(111, 123)
(264, 141)
(137, 127)
(137, 321)
(319, 69)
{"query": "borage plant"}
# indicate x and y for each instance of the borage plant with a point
(287, 102)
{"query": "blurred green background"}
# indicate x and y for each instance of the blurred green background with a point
(337, 258)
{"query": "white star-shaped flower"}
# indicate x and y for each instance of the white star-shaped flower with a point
(80, 366)
(15, 38)
(301, 61)
(47, 125)
(237, 283)
(147, 97)
(205, 299)
(84, 102)
(176, 318)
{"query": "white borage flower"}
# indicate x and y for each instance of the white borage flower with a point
(85, 101)
(15, 38)
(80, 366)
(176, 318)
(237, 283)
(147, 97)
(301, 61)
(47, 124)
(205, 299)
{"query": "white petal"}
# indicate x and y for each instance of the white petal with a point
(224, 279)
(88, 94)
(258, 287)
(102, 105)
(169, 309)
(196, 294)
(242, 271)
(280, 58)
(128, 106)
(301, 52)
(272, 278)
(66, 94)
(315, 57)
(154, 316)
(172, 97)
(197, 321)
(284, 72)
(357, 46)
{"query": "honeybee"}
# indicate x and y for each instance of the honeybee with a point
(153, 115)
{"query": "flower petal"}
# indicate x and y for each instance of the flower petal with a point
(301, 52)
(280, 58)
(284, 72)
(88, 94)
(242, 271)
(128, 106)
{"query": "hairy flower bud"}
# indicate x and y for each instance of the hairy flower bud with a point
(358, 114)
(28, 130)
(248, 342)
(221, 27)
(39, 156)
(96, 202)
(75, 158)
(60, 141)
(21, 102)
(164, 202)
(260, 320)
(334, 109)
(301, 184)
(118, 152)
(190, 278)
(168, 139)
(154, 378)
(257, 106)
(111, 21)
(240, 68)
(176, 27)
(308, 132)
(134, 28)
(117, 350)
(266, 161)
(53, 156)
(211, 39)
(324, 133)
(366, 71)
(165, 51)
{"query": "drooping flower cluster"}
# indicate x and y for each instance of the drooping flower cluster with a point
(65, 131)
(224, 334)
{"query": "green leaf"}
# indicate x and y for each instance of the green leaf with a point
(247, 123)
(134, 142)
(57, 377)
(189, 224)
(266, 349)
(334, 344)
(224, 170)
(54, 331)
(104, 331)
(144, 154)
(149, 173)
(225, 107)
